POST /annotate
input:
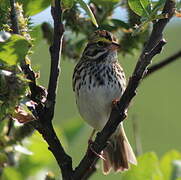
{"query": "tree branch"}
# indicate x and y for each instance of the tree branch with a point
(118, 114)
(14, 19)
(63, 160)
(55, 53)
(163, 63)
(45, 113)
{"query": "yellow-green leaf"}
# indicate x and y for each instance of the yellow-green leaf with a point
(88, 11)
(13, 50)
(147, 168)
(167, 165)
(140, 7)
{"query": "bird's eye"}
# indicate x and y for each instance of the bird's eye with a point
(100, 43)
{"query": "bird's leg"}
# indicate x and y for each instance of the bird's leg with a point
(115, 102)
(90, 142)
(91, 136)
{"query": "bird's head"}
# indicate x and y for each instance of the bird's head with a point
(101, 44)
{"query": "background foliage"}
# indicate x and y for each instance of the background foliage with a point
(156, 107)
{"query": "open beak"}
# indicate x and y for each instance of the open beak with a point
(114, 46)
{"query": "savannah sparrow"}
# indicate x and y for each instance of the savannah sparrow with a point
(99, 79)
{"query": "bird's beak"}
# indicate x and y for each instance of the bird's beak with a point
(114, 46)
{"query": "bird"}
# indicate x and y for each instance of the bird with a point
(99, 80)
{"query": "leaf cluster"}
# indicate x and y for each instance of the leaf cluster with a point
(150, 167)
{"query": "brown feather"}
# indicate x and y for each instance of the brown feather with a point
(118, 153)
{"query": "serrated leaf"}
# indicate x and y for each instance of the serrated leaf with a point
(140, 7)
(88, 11)
(13, 50)
(147, 168)
(67, 4)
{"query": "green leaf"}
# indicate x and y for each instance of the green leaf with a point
(105, 2)
(11, 173)
(88, 11)
(147, 168)
(67, 4)
(120, 23)
(166, 163)
(3, 159)
(13, 50)
(4, 4)
(140, 7)
(40, 150)
(32, 7)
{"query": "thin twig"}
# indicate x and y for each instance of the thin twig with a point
(55, 53)
(118, 114)
(163, 63)
(14, 19)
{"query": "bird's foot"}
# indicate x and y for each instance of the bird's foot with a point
(115, 102)
(90, 148)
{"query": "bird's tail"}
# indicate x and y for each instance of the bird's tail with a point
(118, 153)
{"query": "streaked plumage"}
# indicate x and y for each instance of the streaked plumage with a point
(99, 79)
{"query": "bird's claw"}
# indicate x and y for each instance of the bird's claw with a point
(90, 142)
(115, 102)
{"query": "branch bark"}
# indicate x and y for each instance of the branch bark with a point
(119, 111)
(45, 114)
(163, 63)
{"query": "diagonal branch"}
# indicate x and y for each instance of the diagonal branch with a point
(163, 63)
(118, 114)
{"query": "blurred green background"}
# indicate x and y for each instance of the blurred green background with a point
(156, 109)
